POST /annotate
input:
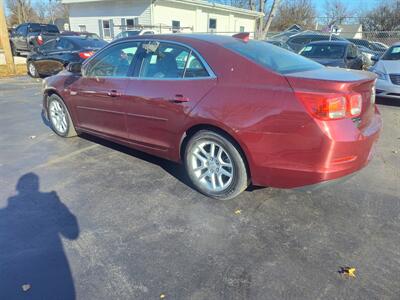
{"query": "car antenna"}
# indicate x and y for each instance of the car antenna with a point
(244, 36)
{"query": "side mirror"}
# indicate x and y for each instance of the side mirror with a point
(375, 58)
(75, 68)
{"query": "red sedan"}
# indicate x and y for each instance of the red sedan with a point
(233, 110)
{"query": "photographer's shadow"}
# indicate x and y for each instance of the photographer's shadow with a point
(31, 251)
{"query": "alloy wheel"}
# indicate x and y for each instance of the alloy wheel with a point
(58, 117)
(212, 166)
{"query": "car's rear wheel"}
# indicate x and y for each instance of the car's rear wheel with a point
(215, 165)
(59, 117)
(32, 71)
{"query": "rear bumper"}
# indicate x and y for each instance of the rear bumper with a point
(316, 163)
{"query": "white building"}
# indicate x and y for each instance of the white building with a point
(107, 17)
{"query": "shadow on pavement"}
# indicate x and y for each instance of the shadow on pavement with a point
(32, 254)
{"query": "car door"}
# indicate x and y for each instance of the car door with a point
(170, 80)
(97, 96)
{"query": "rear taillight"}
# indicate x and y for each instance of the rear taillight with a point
(40, 40)
(86, 54)
(331, 106)
(355, 103)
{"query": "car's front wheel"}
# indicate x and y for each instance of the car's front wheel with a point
(59, 117)
(215, 165)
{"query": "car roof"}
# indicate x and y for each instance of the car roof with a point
(335, 42)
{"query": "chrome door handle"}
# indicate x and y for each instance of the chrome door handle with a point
(113, 93)
(179, 99)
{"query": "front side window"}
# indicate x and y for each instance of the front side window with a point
(271, 57)
(114, 62)
(22, 30)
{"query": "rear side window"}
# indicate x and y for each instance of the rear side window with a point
(272, 57)
(49, 46)
(169, 61)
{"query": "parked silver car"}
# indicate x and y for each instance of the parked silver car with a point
(387, 68)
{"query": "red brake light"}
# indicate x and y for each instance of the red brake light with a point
(40, 40)
(85, 55)
(331, 106)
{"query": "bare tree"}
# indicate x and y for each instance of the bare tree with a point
(336, 11)
(385, 17)
(20, 11)
(290, 12)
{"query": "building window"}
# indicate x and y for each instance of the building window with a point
(82, 28)
(106, 29)
(212, 25)
(241, 29)
(176, 26)
(132, 23)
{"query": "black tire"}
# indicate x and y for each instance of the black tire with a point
(239, 180)
(70, 129)
(32, 70)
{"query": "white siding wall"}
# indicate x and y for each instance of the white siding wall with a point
(89, 14)
(160, 13)
(197, 18)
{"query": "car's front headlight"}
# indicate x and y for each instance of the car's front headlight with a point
(381, 75)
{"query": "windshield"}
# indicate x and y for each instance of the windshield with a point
(393, 53)
(323, 51)
(272, 57)
(43, 28)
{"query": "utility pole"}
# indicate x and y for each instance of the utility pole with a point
(5, 42)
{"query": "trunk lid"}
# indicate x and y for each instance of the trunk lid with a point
(336, 80)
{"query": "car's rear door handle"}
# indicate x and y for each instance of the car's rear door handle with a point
(179, 99)
(113, 93)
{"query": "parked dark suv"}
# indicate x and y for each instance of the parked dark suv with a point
(28, 36)
(298, 41)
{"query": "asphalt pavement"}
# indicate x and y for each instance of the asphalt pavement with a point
(83, 218)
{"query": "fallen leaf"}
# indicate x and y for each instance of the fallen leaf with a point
(162, 296)
(238, 211)
(349, 271)
(26, 287)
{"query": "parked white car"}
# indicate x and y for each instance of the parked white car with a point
(387, 68)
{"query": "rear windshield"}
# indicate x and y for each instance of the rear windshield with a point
(84, 42)
(392, 53)
(323, 51)
(43, 28)
(273, 57)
